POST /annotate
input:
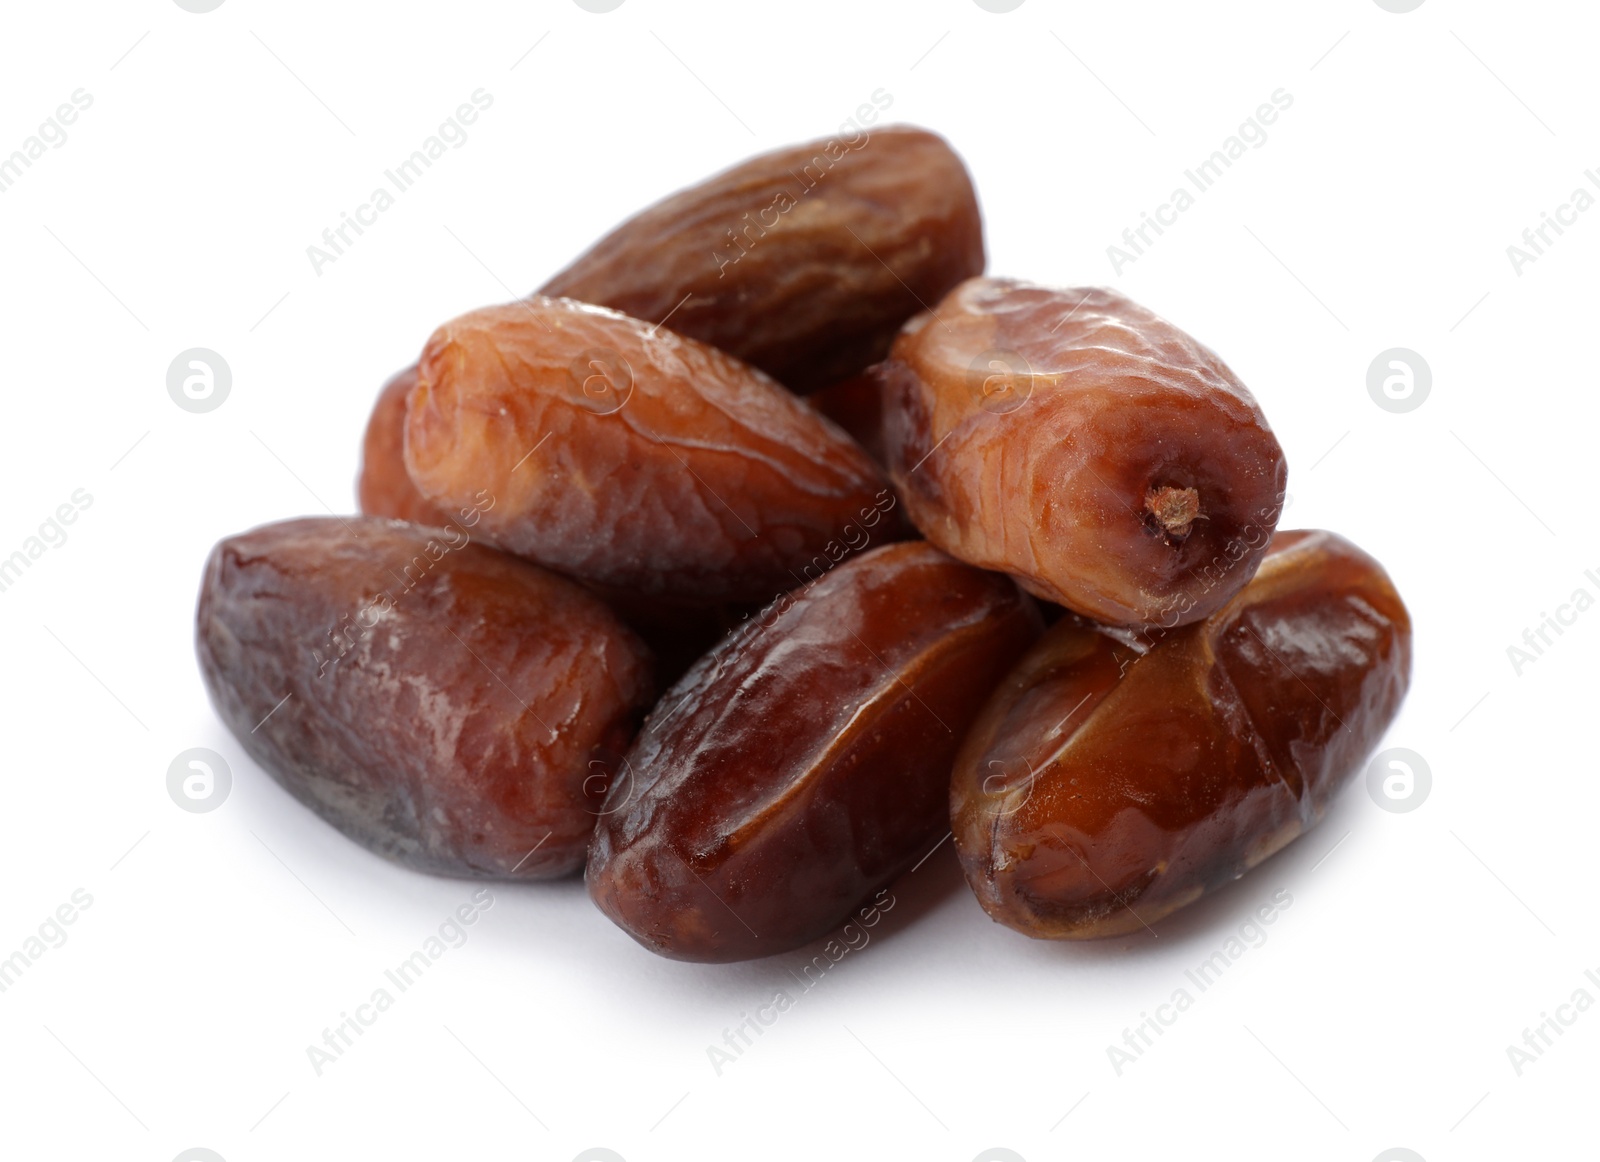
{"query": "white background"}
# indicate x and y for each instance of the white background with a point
(219, 946)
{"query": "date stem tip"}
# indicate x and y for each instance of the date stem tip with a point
(1174, 509)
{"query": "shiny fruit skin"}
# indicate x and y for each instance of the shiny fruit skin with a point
(805, 762)
(1113, 778)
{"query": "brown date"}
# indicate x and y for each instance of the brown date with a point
(1112, 779)
(677, 630)
(629, 456)
(803, 261)
(443, 704)
(384, 488)
(805, 762)
(1084, 445)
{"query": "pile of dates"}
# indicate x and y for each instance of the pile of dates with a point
(769, 544)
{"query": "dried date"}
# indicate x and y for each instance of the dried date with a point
(384, 488)
(1113, 779)
(805, 762)
(1087, 447)
(444, 704)
(803, 262)
(677, 630)
(628, 456)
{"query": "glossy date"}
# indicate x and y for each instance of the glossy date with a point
(805, 762)
(1114, 778)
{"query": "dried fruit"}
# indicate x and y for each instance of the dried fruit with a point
(677, 630)
(384, 488)
(629, 456)
(805, 762)
(443, 704)
(1113, 779)
(804, 261)
(1085, 446)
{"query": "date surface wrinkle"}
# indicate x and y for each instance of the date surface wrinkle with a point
(440, 702)
(1146, 481)
(811, 292)
(701, 479)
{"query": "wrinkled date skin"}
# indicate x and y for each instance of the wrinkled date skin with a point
(629, 456)
(803, 262)
(443, 704)
(1085, 446)
(1112, 780)
(384, 488)
(677, 630)
(805, 762)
